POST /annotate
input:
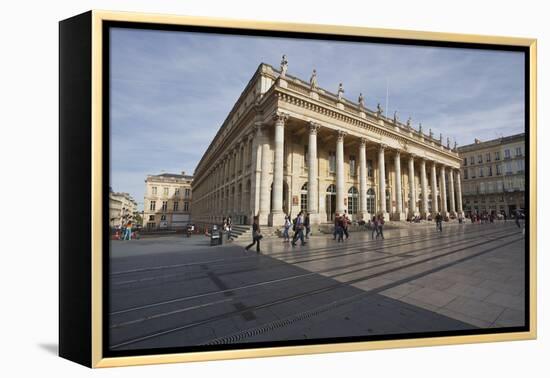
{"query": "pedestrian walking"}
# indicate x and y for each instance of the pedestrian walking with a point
(335, 231)
(380, 227)
(229, 228)
(517, 215)
(256, 235)
(299, 234)
(439, 222)
(128, 231)
(340, 228)
(286, 228)
(345, 223)
(307, 225)
(374, 227)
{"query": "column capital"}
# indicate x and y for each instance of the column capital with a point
(382, 146)
(280, 118)
(341, 134)
(413, 156)
(313, 127)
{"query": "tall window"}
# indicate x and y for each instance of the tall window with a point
(151, 218)
(479, 159)
(507, 154)
(332, 161)
(152, 205)
(497, 155)
(154, 190)
(370, 201)
(164, 205)
(480, 171)
(186, 206)
(490, 170)
(303, 198)
(509, 168)
(488, 157)
(352, 166)
(177, 192)
(370, 170)
(353, 200)
(520, 165)
(176, 205)
(472, 160)
(499, 169)
(166, 191)
(163, 217)
(465, 173)
(306, 153)
(518, 151)
(465, 161)
(187, 193)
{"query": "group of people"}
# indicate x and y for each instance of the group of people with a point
(376, 225)
(341, 225)
(227, 226)
(300, 225)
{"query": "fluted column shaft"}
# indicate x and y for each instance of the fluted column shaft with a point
(312, 175)
(278, 164)
(363, 178)
(424, 184)
(435, 197)
(382, 178)
(443, 189)
(264, 177)
(452, 190)
(412, 191)
(340, 207)
(399, 196)
(459, 192)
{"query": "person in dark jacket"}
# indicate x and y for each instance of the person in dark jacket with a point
(439, 222)
(256, 235)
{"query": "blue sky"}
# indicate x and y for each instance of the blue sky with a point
(171, 91)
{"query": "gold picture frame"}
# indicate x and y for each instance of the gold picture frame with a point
(88, 329)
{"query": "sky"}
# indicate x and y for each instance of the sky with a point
(170, 91)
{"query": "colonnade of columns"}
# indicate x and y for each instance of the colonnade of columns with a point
(258, 197)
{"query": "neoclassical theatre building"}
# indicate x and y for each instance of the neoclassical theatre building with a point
(288, 145)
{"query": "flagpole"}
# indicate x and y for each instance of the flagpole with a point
(387, 98)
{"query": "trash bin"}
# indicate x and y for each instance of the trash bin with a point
(216, 237)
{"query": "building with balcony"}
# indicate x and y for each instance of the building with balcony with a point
(167, 201)
(122, 208)
(493, 178)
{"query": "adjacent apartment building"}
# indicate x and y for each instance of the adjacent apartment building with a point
(122, 208)
(167, 201)
(493, 178)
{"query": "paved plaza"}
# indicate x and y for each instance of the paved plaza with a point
(177, 291)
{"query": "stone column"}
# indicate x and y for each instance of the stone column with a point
(363, 180)
(265, 192)
(398, 187)
(443, 190)
(312, 175)
(382, 180)
(412, 189)
(435, 207)
(424, 184)
(277, 216)
(452, 191)
(340, 207)
(459, 193)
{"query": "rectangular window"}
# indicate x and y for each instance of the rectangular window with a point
(176, 192)
(176, 205)
(472, 160)
(506, 154)
(352, 166)
(154, 190)
(490, 170)
(164, 205)
(499, 169)
(306, 153)
(163, 217)
(466, 174)
(187, 193)
(473, 173)
(186, 206)
(151, 218)
(370, 170)
(509, 168)
(152, 205)
(332, 161)
(488, 157)
(520, 165)
(479, 159)
(497, 155)
(518, 151)
(480, 171)
(465, 161)
(166, 192)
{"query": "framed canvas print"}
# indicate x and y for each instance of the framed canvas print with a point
(234, 189)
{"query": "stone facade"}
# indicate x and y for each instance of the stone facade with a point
(167, 201)
(122, 208)
(493, 178)
(288, 145)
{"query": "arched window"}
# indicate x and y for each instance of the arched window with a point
(388, 201)
(331, 189)
(353, 200)
(370, 201)
(303, 198)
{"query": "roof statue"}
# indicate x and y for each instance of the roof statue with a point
(361, 100)
(420, 128)
(440, 138)
(340, 92)
(455, 146)
(379, 110)
(448, 143)
(313, 80)
(431, 133)
(284, 66)
(409, 122)
(395, 116)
